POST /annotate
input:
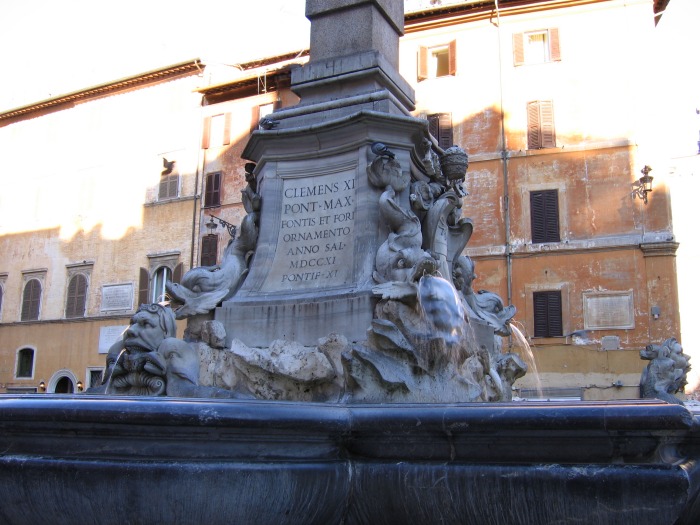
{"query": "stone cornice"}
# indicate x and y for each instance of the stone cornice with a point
(68, 100)
(659, 249)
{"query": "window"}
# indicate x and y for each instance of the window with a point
(540, 125)
(217, 131)
(261, 111)
(2, 293)
(536, 47)
(440, 127)
(162, 276)
(25, 364)
(544, 216)
(438, 61)
(31, 300)
(152, 290)
(77, 295)
(212, 190)
(547, 312)
(169, 181)
(95, 377)
(210, 246)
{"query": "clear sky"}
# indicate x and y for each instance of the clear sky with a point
(52, 47)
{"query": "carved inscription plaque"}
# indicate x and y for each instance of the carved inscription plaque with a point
(117, 297)
(605, 310)
(109, 336)
(315, 245)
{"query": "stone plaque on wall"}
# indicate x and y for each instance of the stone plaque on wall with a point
(315, 245)
(117, 297)
(108, 336)
(606, 310)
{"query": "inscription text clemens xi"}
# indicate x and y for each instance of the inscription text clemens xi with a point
(316, 232)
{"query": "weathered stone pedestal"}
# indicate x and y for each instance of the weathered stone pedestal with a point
(83, 459)
(320, 230)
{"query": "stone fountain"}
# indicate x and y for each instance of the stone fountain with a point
(337, 365)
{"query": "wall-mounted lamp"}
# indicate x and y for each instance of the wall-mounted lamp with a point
(643, 185)
(80, 386)
(42, 387)
(211, 225)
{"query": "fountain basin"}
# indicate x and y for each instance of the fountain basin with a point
(100, 459)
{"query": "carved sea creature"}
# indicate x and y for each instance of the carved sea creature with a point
(203, 288)
(400, 257)
(665, 375)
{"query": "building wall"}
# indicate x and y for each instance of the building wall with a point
(81, 194)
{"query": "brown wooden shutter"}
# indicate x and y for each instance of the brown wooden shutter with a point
(547, 314)
(440, 127)
(210, 246)
(547, 134)
(227, 129)
(254, 118)
(452, 57)
(554, 49)
(544, 216)
(31, 300)
(177, 273)
(143, 287)
(77, 292)
(518, 49)
(206, 132)
(212, 190)
(422, 63)
(534, 138)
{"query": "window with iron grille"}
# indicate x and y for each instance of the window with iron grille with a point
(440, 127)
(210, 246)
(76, 297)
(544, 216)
(212, 190)
(25, 363)
(31, 300)
(547, 313)
(540, 125)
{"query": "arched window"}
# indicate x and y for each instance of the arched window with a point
(77, 294)
(64, 386)
(163, 275)
(31, 300)
(25, 363)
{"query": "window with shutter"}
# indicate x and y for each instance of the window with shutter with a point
(162, 276)
(210, 246)
(143, 286)
(540, 125)
(544, 216)
(31, 300)
(547, 314)
(25, 363)
(212, 190)
(76, 297)
(536, 47)
(440, 127)
(169, 185)
(437, 61)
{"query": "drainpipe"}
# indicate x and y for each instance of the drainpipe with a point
(504, 160)
(195, 197)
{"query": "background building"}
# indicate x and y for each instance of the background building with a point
(110, 189)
